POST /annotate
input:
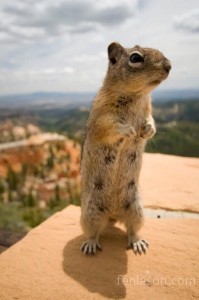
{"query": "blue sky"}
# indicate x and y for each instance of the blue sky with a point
(61, 45)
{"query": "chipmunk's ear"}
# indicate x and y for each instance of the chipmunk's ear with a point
(115, 51)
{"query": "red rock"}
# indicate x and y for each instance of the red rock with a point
(170, 182)
(48, 264)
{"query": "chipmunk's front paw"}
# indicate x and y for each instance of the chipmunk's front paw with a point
(127, 130)
(147, 131)
(90, 247)
(138, 246)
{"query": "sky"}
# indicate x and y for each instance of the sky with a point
(61, 45)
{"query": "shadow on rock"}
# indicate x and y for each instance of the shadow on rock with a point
(99, 274)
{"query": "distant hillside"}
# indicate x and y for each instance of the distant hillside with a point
(175, 95)
(70, 121)
(165, 112)
(177, 126)
(66, 113)
(45, 100)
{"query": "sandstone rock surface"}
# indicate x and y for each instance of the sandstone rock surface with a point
(47, 263)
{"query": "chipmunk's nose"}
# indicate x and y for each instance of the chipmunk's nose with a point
(167, 65)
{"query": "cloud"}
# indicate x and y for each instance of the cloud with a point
(51, 71)
(32, 20)
(61, 44)
(188, 22)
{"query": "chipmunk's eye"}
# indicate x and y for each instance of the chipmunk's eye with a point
(136, 58)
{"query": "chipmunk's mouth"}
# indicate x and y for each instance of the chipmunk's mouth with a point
(155, 82)
(158, 81)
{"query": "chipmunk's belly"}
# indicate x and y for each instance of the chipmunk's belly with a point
(121, 175)
(110, 174)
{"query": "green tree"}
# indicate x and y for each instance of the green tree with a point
(51, 158)
(24, 171)
(2, 187)
(12, 179)
(56, 200)
(10, 196)
(31, 199)
(34, 216)
(2, 190)
(57, 194)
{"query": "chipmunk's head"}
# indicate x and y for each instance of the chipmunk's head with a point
(137, 69)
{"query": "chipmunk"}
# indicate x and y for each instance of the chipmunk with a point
(119, 124)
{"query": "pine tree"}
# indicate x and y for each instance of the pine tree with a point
(51, 159)
(12, 179)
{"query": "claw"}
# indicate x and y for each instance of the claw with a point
(135, 249)
(99, 247)
(94, 248)
(138, 247)
(82, 246)
(148, 131)
(144, 246)
(145, 242)
(90, 247)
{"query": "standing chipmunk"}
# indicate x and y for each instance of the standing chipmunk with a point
(119, 124)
